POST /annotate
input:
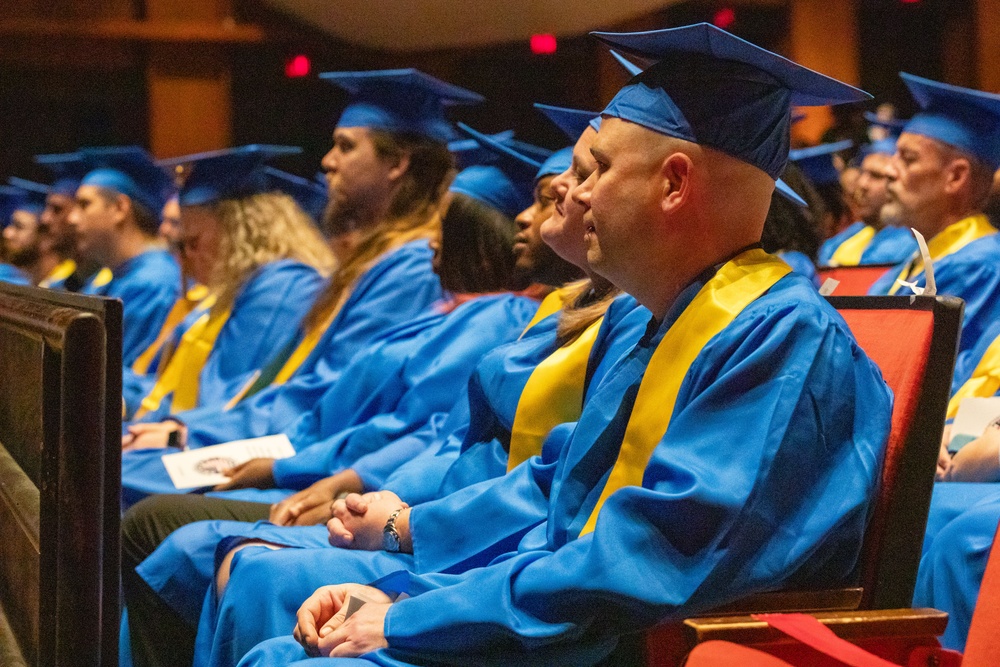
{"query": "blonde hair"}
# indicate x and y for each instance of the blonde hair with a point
(587, 301)
(260, 229)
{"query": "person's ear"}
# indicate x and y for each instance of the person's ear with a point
(401, 166)
(957, 175)
(676, 171)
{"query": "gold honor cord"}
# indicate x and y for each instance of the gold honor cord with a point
(181, 309)
(552, 303)
(553, 395)
(985, 380)
(849, 252)
(63, 270)
(950, 240)
(182, 375)
(735, 286)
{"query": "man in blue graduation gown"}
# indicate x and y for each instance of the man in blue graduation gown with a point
(743, 460)
(940, 180)
(870, 240)
(116, 217)
(19, 241)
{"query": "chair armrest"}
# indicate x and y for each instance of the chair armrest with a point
(852, 626)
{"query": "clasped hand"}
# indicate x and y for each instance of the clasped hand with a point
(322, 630)
(358, 520)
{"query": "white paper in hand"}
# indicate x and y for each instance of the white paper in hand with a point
(203, 467)
(972, 418)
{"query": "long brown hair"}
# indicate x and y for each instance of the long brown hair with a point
(413, 213)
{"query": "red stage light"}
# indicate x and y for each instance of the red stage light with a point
(543, 45)
(297, 66)
(724, 18)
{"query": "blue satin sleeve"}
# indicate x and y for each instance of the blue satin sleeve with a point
(778, 495)
(443, 358)
(398, 288)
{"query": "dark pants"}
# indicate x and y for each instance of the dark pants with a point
(159, 636)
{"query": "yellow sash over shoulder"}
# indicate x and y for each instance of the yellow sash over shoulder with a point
(552, 303)
(948, 241)
(63, 270)
(736, 285)
(849, 252)
(984, 382)
(182, 374)
(181, 309)
(553, 395)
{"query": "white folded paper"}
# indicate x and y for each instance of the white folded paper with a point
(203, 467)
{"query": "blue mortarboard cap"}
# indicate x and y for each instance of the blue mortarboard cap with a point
(130, 171)
(786, 191)
(893, 125)
(226, 174)
(885, 146)
(966, 119)
(68, 170)
(310, 195)
(34, 194)
(816, 162)
(556, 163)
(630, 67)
(715, 89)
(468, 152)
(571, 121)
(507, 184)
(11, 199)
(400, 100)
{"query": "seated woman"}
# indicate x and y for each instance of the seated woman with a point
(263, 262)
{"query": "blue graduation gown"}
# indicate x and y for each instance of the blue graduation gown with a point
(968, 360)
(148, 284)
(890, 245)
(801, 264)
(778, 495)
(972, 274)
(12, 274)
(496, 386)
(399, 287)
(264, 316)
(954, 561)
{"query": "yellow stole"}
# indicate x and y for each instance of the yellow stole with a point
(102, 278)
(552, 303)
(984, 382)
(553, 395)
(62, 271)
(735, 286)
(949, 240)
(849, 252)
(181, 309)
(182, 374)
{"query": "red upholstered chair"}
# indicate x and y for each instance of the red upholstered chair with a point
(859, 639)
(914, 342)
(854, 280)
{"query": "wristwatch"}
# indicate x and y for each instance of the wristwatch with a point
(390, 538)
